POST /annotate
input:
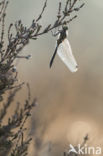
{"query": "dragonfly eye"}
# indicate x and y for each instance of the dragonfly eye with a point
(65, 27)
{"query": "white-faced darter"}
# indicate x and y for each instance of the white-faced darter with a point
(63, 49)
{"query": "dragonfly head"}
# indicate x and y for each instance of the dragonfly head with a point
(65, 27)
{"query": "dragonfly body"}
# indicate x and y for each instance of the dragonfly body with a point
(64, 51)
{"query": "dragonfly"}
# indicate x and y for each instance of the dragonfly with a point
(64, 51)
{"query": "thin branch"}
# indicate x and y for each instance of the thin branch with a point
(40, 16)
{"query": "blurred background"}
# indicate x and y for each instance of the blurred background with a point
(70, 104)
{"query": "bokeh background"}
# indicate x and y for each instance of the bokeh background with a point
(69, 105)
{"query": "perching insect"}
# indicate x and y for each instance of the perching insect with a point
(63, 49)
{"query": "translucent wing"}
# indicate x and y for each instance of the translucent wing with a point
(65, 53)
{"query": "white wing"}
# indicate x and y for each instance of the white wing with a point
(65, 53)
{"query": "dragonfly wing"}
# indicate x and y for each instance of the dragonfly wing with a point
(65, 53)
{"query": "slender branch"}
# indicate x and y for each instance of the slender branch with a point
(40, 16)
